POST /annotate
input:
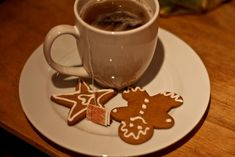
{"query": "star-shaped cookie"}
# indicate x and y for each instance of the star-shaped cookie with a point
(79, 100)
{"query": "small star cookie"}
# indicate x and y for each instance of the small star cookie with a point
(144, 113)
(79, 100)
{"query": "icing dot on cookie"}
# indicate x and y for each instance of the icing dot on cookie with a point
(146, 100)
(131, 125)
(114, 110)
(168, 120)
(144, 106)
(141, 112)
(139, 127)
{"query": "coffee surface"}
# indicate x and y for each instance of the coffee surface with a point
(115, 15)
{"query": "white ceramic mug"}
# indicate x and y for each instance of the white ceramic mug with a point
(113, 59)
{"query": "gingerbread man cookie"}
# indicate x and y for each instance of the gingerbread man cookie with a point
(79, 100)
(144, 113)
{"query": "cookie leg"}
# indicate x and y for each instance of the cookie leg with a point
(135, 131)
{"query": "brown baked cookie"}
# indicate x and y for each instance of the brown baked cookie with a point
(79, 100)
(144, 113)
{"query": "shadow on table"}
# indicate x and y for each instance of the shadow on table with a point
(12, 146)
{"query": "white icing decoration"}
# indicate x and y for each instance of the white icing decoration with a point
(128, 134)
(144, 106)
(168, 120)
(84, 102)
(71, 118)
(146, 100)
(141, 112)
(133, 90)
(139, 127)
(173, 96)
(138, 117)
(106, 91)
(131, 125)
(115, 110)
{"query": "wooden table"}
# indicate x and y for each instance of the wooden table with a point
(24, 24)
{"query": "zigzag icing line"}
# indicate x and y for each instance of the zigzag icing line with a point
(173, 96)
(133, 90)
(128, 134)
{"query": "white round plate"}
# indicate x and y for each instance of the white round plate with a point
(175, 68)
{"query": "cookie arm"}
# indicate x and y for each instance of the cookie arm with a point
(120, 113)
(59, 99)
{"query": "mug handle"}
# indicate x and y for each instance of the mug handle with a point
(54, 33)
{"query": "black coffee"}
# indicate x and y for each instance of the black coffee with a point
(115, 15)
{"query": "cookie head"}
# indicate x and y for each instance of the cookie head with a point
(135, 130)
